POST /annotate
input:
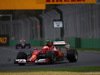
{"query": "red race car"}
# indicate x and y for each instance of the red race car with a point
(48, 54)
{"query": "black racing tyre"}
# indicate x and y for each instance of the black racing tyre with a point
(52, 56)
(29, 45)
(21, 55)
(72, 55)
(16, 46)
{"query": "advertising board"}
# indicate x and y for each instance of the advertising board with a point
(4, 40)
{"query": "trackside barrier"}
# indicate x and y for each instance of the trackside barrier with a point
(74, 43)
(13, 43)
(93, 43)
(34, 42)
(77, 42)
(90, 43)
(4, 40)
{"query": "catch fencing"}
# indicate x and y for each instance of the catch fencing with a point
(80, 21)
(21, 29)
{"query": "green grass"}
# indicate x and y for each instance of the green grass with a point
(75, 69)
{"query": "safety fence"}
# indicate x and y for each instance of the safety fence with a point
(21, 29)
(80, 21)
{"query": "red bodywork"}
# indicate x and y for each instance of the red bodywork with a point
(51, 46)
(33, 58)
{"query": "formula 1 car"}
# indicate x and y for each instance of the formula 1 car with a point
(48, 54)
(22, 44)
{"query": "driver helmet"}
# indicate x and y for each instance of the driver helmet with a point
(35, 49)
(48, 41)
(22, 40)
(45, 48)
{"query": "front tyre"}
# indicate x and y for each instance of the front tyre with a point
(16, 46)
(52, 56)
(22, 55)
(72, 55)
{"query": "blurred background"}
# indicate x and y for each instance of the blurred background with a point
(81, 25)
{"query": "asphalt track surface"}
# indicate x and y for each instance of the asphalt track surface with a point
(8, 54)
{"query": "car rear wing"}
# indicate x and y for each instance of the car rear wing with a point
(62, 43)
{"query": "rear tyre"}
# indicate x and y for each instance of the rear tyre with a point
(16, 46)
(52, 56)
(22, 55)
(72, 55)
(29, 45)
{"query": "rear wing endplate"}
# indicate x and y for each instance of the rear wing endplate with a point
(62, 43)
